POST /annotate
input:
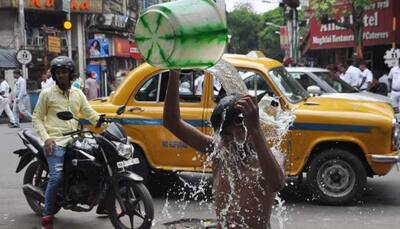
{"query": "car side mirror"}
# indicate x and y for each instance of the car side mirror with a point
(314, 90)
(65, 115)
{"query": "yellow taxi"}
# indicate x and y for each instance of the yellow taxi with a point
(337, 143)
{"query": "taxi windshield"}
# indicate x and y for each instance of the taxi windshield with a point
(289, 87)
(336, 83)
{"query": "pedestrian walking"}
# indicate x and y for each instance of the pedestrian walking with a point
(4, 95)
(47, 81)
(91, 87)
(366, 77)
(394, 85)
(21, 99)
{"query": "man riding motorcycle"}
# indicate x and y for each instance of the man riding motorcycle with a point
(58, 98)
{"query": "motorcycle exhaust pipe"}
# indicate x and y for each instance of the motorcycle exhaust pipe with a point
(33, 192)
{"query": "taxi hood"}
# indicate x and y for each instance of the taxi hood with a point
(336, 105)
(360, 96)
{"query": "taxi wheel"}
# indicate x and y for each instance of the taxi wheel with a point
(336, 177)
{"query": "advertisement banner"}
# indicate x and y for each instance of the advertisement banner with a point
(377, 21)
(121, 47)
(95, 69)
(98, 47)
(134, 51)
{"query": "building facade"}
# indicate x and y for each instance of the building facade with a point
(102, 37)
(331, 44)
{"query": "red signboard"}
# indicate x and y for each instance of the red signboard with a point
(121, 47)
(378, 27)
(134, 51)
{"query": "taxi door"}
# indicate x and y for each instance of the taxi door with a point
(144, 119)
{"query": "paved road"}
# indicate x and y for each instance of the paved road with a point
(379, 208)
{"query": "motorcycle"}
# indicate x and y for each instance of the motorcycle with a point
(96, 171)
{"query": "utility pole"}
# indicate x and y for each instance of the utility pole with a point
(81, 45)
(21, 17)
(290, 14)
(69, 43)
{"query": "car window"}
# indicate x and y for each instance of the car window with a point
(149, 90)
(338, 84)
(154, 88)
(304, 79)
(256, 84)
(286, 83)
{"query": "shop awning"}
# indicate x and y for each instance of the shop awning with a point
(7, 58)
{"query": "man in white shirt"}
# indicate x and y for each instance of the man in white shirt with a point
(4, 94)
(394, 85)
(21, 99)
(47, 80)
(366, 77)
(352, 76)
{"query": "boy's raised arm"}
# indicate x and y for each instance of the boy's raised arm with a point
(174, 123)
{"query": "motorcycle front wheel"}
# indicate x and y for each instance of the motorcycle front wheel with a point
(139, 211)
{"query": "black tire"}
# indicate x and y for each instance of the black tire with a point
(336, 177)
(36, 175)
(139, 206)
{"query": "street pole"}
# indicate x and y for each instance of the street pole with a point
(69, 43)
(21, 15)
(295, 36)
(81, 46)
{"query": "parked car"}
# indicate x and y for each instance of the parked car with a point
(332, 140)
(330, 85)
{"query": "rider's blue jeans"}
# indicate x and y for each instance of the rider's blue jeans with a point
(56, 167)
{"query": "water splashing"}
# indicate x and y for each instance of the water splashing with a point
(233, 162)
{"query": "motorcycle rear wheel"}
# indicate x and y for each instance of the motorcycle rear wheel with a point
(139, 212)
(36, 175)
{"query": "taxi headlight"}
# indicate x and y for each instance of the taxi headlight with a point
(124, 150)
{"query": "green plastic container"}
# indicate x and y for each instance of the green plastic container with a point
(182, 34)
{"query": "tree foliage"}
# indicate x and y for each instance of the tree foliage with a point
(268, 38)
(243, 26)
(249, 31)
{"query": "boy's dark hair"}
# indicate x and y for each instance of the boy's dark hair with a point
(226, 103)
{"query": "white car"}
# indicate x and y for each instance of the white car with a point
(332, 86)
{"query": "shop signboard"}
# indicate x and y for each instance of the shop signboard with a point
(77, 6)
(134, 51)
(54, 44)
(98, 47)
(377, 21)
(121, 47)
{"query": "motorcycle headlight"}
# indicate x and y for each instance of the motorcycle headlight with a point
(124, 150)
